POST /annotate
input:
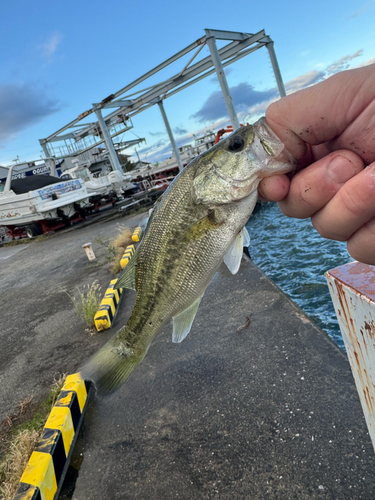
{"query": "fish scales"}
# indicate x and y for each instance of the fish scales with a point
(173, 272)
(196, 224)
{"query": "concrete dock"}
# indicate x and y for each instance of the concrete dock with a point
(256, 402)
(267, 411)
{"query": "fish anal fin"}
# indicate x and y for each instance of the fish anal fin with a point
(183, 321)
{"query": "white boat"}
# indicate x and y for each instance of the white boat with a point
(29, 168)
(34, 201)
(205, 142)
(160, 175)
(102, 183)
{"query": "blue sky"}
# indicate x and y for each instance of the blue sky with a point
(57, 58)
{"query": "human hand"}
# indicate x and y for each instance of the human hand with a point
(330, 129)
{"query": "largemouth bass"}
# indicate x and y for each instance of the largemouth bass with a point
(197, 222)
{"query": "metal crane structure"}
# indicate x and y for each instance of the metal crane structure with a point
(78, 138)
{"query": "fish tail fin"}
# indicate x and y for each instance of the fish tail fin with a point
(109, 368)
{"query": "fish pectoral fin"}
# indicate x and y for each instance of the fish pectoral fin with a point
(233, 257)
(183, 321)
(127, 278)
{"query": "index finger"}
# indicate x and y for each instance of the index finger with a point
(321, 113)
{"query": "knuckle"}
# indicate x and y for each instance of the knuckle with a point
(354, 202)
(326, 230)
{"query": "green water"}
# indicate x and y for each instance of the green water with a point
(296, 257)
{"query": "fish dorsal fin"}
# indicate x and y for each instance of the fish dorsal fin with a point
(127, 278)
(183, 321)
(233, 257)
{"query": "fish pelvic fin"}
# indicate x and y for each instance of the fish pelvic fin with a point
(110, 367)
(246, 237)
(182, 322)
(233, 257)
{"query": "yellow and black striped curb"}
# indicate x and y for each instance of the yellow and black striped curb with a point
(137, 233)
(128, 254)
(108, 307)
(44, 474)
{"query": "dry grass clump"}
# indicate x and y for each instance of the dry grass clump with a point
(87, 303)
(16, 460)
(23, 441)
(115, 265)
(119, 243)
(116, 247)
(19, 241)
(123, 238)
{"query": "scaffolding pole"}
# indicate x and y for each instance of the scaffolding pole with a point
(45, 149)
(108, 142)
(211, 42)
(276, 69)
(170, 134)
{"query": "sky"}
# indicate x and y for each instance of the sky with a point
(58, 58)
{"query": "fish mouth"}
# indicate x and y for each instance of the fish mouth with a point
(226, 190)
(237, 183)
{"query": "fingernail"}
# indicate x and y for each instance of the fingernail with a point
(340, 169)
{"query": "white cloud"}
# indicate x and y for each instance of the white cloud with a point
(367, 63)
(342, 64)
(50, 46)
(362, 10)
(302, 81)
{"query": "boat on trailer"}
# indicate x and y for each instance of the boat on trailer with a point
(34, 205)
(104, 185)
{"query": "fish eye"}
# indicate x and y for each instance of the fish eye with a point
(236, 144)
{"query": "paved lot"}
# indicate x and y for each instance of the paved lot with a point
(270, 412)
(41, 335)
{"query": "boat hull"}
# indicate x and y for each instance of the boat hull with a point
(49, 203)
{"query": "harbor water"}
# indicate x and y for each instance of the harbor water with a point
(295, 257)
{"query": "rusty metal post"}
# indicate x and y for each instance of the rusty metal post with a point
(352, 289)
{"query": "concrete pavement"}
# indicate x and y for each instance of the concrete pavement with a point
(41, 335)
(267, 412)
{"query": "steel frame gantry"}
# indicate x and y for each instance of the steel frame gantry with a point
(239, 45)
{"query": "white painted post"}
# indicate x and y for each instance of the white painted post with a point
(89, 251)
(352, 289)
